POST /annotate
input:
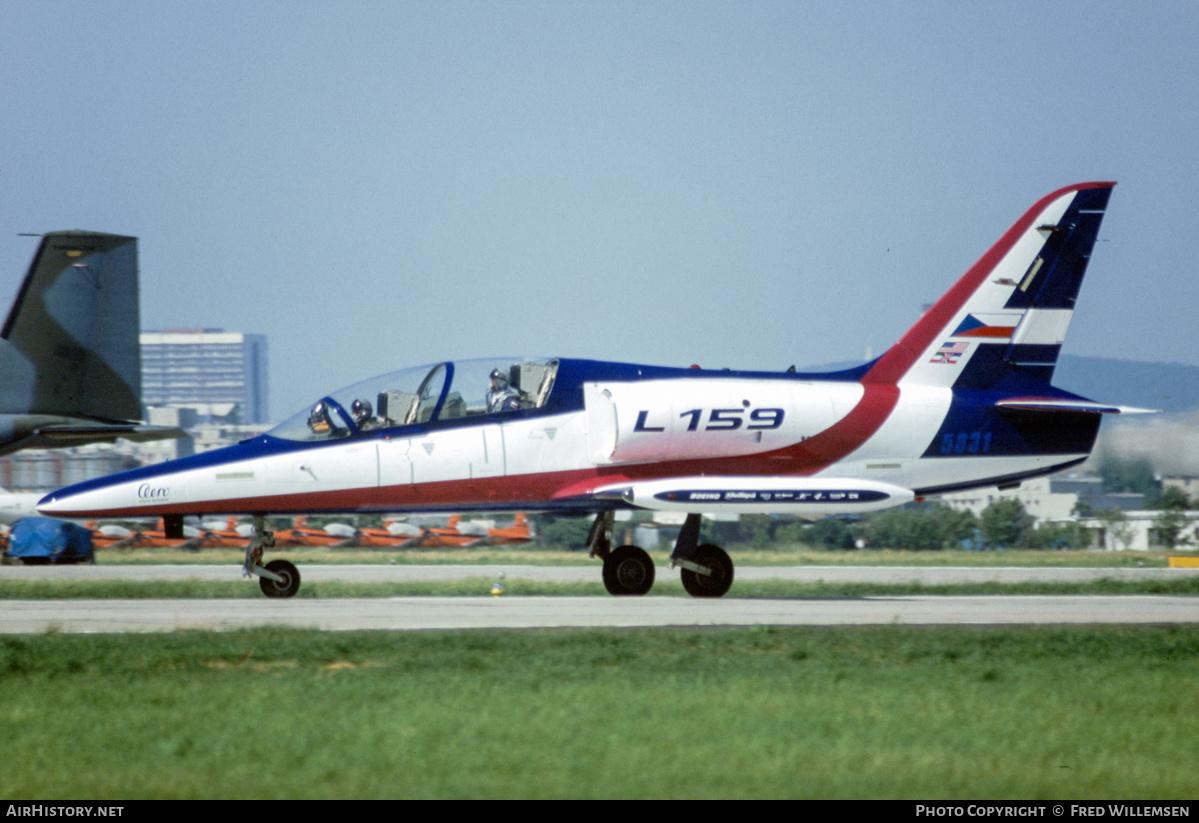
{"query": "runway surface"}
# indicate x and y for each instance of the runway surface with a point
(485, 611)
(423, 613)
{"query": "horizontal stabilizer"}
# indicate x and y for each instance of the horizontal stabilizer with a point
(809, 497)
(1068, 405)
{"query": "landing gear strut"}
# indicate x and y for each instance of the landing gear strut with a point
(707, 570)
(279, 578)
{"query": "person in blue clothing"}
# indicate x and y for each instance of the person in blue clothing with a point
(501, 396)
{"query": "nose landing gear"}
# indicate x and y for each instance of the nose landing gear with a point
(278, 578)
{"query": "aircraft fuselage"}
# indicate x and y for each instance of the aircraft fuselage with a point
(741, 442)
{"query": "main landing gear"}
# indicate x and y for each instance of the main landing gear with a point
(707, 570)
(279, 578)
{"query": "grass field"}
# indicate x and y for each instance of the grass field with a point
(884, 712)
(848, 712)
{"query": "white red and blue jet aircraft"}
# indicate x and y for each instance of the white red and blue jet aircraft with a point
(963, 400)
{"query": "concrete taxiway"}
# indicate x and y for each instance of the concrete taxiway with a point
(485, 611)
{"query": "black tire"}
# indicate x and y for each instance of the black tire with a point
(716, 584)
(290, 583)
(628, 571)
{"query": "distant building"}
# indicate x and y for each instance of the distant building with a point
(1115, 520)
(206, 369)
(1187, 485)
(44, 470)
(1051, 498)
(1139, 531)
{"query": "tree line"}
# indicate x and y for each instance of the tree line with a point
(928, 526)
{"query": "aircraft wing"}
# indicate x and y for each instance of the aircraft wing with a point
(138, 432)
(80, 434)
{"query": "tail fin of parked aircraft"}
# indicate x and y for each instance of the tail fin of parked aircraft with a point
(1008, 314)
(70, 359)
(73, 329)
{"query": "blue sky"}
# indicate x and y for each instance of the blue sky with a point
(377, 185)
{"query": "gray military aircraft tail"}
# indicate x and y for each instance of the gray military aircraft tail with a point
(70, 363)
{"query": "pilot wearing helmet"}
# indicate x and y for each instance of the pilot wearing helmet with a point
(501, 396)
(363, 414)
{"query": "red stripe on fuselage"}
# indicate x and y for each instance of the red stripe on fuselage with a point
(893, 365)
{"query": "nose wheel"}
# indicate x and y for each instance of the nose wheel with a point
(284, 579)
(279, 578)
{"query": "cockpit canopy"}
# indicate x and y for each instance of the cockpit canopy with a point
(425, 394)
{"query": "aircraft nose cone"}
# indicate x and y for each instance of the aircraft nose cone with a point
(48, 505)
(58, 504)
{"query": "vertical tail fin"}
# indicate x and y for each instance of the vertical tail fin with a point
(72, 332)
(1011, 310)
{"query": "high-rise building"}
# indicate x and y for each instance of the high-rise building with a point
(209, 368)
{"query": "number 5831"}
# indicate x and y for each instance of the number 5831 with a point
(965, 442)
